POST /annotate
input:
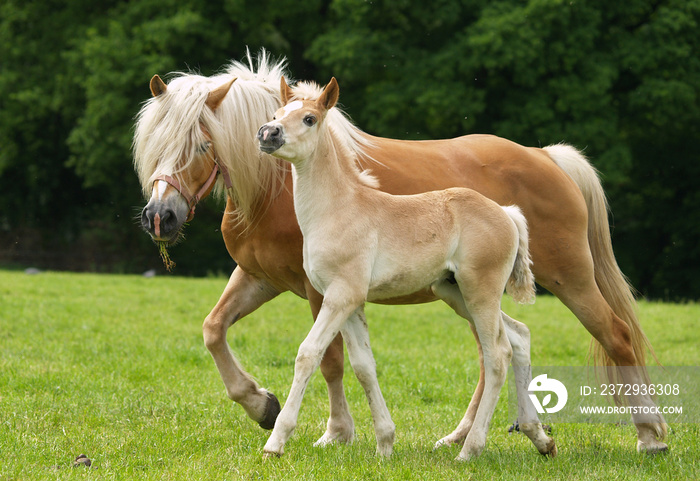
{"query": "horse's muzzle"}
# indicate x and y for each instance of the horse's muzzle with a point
(161, 222)
(271, 138)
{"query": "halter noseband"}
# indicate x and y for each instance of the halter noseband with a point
(192, 200)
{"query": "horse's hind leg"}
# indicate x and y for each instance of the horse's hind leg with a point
(588, 305)
(356, 336)
(519, 337)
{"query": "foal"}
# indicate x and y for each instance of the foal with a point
(361, 244)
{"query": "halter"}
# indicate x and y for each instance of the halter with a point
(192, 200)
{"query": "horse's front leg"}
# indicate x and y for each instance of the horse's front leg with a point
(328, 323)
(243, 295)
(340, 427)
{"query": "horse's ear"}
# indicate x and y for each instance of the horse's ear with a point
(329, 97)
(285, 91)
(157, 85)
(217, 95)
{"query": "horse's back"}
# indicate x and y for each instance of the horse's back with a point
(502, 170)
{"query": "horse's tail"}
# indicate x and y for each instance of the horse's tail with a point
(613, 284)
(521, 283)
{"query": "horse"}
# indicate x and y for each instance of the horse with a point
(196, 126)
(362, 244)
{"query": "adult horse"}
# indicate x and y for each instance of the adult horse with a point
(197, 126)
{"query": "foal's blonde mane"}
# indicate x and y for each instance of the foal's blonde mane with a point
(168, 134)
(344, 131)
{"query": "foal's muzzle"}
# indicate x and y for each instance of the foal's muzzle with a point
(271, 138)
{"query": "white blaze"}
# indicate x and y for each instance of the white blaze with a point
(296, 105)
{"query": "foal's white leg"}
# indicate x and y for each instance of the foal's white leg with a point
(460, 433)
(452, 296)
(332, 317)
(519, 337)
(340, 427)
(497, 354)
(356, 336)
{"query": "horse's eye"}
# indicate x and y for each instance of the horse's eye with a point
(203, 147)
(309, 120)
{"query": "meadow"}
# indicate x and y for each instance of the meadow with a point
(114, 367)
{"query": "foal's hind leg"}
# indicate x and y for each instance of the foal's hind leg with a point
(478, 300)
(519, 337)
(451, 295)
(356, 336)
(486, 315)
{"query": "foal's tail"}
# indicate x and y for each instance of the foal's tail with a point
(613, 284)
(521, 284)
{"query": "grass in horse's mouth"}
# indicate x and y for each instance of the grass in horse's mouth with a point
(165, 256)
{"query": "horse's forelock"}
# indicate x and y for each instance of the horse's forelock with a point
(167, 129)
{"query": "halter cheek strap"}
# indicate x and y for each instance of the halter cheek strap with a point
(191, 199)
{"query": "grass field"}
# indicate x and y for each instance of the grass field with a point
(114, 367)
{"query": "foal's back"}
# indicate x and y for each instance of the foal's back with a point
(418, 240)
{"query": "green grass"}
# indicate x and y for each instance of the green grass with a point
(114, 367)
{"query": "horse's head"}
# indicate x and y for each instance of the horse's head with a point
(293, 133)
(174, 154)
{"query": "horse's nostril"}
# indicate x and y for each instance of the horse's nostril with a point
(146, 219)
(168, 221)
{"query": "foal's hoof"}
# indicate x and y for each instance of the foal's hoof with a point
(551, 450)
(271, 455)
(654, 447)
(271, 412)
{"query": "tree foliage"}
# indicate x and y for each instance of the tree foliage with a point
(619, 80)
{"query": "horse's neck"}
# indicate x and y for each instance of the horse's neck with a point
(324, 184)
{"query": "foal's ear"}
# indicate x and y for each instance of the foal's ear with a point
(157, 85)
(329, 97)
(285, 91)
(217, 95)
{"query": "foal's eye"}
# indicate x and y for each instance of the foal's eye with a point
(309, 120)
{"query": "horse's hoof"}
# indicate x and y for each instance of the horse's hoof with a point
(271, 411)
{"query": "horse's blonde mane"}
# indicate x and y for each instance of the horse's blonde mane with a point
(168, 131)
(168, 134)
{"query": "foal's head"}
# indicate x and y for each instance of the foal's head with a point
(174, 154)
(293, 133)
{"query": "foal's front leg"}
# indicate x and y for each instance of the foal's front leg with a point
(340, 427)
(330, 320)
(356, 335)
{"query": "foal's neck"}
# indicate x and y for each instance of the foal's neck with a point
(325, 183)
